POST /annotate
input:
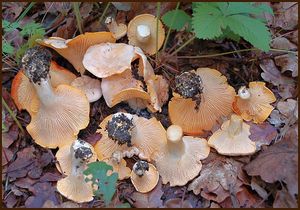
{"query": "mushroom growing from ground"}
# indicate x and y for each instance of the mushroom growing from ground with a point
(232, 138)
(253, 103)
(200, 98)
(142, 33)
(65, 156)
(123, 131)
(179, 160)
(74, 186)
(144, 176)
(23, 91)
(91, 87)
(57, 114)
(118, 30)
(74, 49)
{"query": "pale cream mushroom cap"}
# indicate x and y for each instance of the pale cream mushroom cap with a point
(119, 30)
(232, 138)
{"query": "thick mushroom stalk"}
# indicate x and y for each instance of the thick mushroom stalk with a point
(175, 143)
(244, 93)
(143, 33)
(235, 125)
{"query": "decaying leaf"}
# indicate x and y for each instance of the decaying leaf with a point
(283, 43)
(288, 62)
(262, 134)
(284, 199)
(54, 7)
(286, 15)
(178, 203)
(259, 186)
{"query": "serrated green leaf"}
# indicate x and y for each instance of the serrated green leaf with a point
(7, 48)
(106, 184)
(181, 19)
(227, 33)
(8, 27)
(245, 8)
(252, 30)
(32, 28)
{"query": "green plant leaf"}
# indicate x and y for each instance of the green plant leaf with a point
(106, 184)
(246, 8)
(252, 30)
(181, 19)
(7, 48)
(123, 205)
(8, 27)
(32, 28)
(227, 33)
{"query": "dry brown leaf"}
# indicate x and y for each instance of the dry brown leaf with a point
(276, 118)
(67, 30)
(55, 7)
(293, 37)
(288, 108)
(259, 186)
(284, 200)
(288, 62)
(262, 134)
(286, 15)
(283, 43)
(177, 203)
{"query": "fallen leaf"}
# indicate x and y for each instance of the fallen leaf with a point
(219, 177)
(151, 199)
(284, 200)
(7, 156)
(288, 62)
(10, 200)
(67, 204)
(11, 10)
(55, 7)
(286, 15)
(67, 30)
(288, 108)
(283, 43)
(11, 136)
(259, 186)
(85, 9)
(50, 177)
(177, 203)
(293, 37)
(276, 118)
(123, 6)
(214, 205)
(262, 134)
(278, 162)
(25, 182)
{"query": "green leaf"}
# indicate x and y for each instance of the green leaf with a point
(123, 205)
(246, 8)
(180, 20)
(32, 28)
(7, 48)
(8, 27)
(252, 30)
(106, 184)
(227, 33)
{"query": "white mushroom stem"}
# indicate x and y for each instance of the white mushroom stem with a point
(244, 93)
(175, 144)
(235, 125)
(111, 24)
(143, 33)
(45, 91)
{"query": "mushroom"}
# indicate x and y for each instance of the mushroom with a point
(142, 33)
(65, 154)
(123, 131)
(253, 103)
(57, 114)
(118, 30)
(200, 98)
(74, 49)
(179, 160)
(23, 91)
(91, 87)
(232, 138)
(144, 176)
(74, 186)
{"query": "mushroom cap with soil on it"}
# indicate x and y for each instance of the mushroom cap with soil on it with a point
(253, 103)
(23, 91)
(200, 98)
(91, 87)
(142, 33)
(179, 160)
(74, 186)
(232, 138)
(118, 30)
(123, 131)
(57, 114)
(64, 157)
(144, 176)
(74, 49)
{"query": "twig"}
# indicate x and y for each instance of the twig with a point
(78, 16)
(25, 11)
(156, 38)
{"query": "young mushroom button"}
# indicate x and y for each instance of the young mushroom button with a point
(57, 114)
(179, 160)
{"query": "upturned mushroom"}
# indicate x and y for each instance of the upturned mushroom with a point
(74, 186)
(123, 131)
(232, 138)
(180, 159)
(200, 98)
(142, 33)
(57, 114)
(74, 49)
(23, 91)
(118, 30)
(144, 176)
(91, 87)
(65, 157)
(253, 103)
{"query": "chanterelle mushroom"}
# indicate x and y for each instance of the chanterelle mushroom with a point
(65, 154)
(179, 160)
(200, 98)
(253, 103)
(57, 114)
(91, 87)
(122, 131)
(23, 91)
(142, 33)
(74, 186)
(118, 30)
(233, 138)
(144, 176)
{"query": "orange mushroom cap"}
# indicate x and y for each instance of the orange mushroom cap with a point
(74, 49)
(142, 33)
(233, 138)
(179, 160)
(23, 92)
(147, 135)
(216, 101)
(253, 103)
